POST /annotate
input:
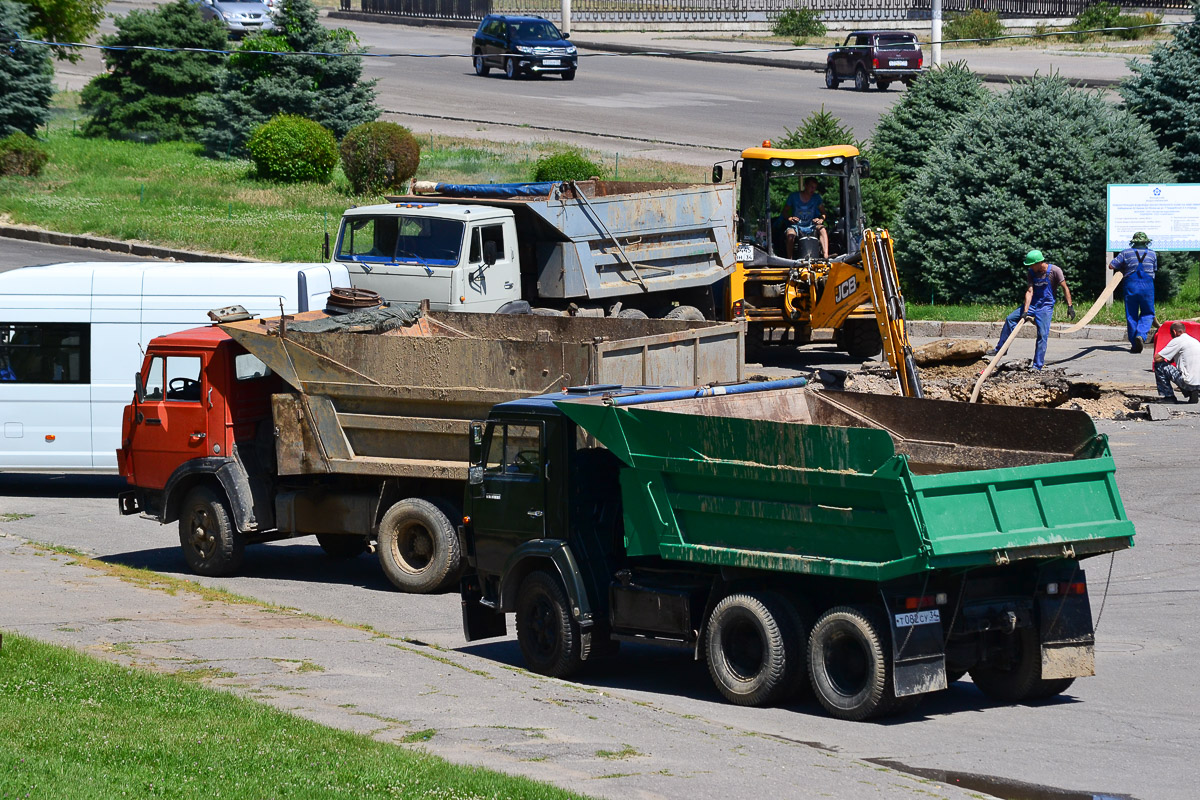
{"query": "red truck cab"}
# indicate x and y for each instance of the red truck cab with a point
(197, 409)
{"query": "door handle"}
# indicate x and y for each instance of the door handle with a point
(196, 437)
(153, 421)
(534, 514)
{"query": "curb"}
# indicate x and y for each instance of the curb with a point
(113, 245)
(687, 55)
(991, 330)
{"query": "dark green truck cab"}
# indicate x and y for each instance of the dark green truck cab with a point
(874, 548)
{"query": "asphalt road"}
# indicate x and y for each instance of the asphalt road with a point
(19, 253)
(686, 111)
(1128, 732)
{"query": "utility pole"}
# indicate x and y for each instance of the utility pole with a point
(566, 16)
(935, 31)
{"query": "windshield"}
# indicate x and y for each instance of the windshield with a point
(539, 31)
(772, 195)
(428, 241)
(896, 42)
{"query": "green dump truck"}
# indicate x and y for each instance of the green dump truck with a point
(873, 547)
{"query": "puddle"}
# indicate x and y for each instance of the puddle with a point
(1004, 788)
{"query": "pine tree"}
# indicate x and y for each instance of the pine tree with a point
(1027, 170)
(1165, 93)
(254, 88)
(150, 92)
(26, 74)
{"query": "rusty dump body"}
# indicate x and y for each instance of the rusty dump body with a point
(398, 403)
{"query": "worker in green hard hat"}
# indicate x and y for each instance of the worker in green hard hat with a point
(1138, 263)
(1043, 281)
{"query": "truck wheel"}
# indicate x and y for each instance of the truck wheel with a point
(860, 338)
(341, 545)
(1018, 678)
(418, 548)
(211, 544)
(632, 313)
(849, 663)
(861, 82)
(831, 80)
(686, 313)
(547, 633)
(751, 646)
(882, 85)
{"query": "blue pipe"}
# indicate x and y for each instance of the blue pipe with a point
(706, 391)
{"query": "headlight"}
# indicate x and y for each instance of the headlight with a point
(523, 49)
(571, 51)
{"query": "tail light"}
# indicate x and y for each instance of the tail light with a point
(875, 63)
(926, 601)
(739, 309)
(920, 61)
(1077, 587)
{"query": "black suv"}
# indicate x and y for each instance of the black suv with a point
(522, 46)
(875, 56)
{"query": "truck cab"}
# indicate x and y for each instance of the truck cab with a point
(459, 257)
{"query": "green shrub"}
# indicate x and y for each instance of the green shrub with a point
(1133, 22)
(252, 89)
(151, 94)
(976, 24)
(379, 155)
(1028, 169)
(21, 155)
(26, 75)
(799, 24)
(1100, 15)
(290, 149)
(569, 165)
(1162, 92)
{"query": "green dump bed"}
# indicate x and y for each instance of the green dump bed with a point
(857, 486)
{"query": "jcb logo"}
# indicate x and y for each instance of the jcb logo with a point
(845, 289)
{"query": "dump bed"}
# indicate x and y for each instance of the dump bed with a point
(858, 486)
(606, 239)
(384, 394)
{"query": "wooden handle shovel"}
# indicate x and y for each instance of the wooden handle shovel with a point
(996, 360)
(1100, 301)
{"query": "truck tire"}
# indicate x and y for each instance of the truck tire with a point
(882, 85)
(342, 545)
(549, 636)
(1019, 678)
(632, 313)
(860, 338)
(686, 313)
(752, 648)
(211, 544)
(849, 663)
(418, 547)
(831, 79)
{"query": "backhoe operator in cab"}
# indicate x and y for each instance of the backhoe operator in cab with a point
(805, 211)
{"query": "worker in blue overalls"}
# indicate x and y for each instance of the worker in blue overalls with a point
(1044, 279)
(1138, 263)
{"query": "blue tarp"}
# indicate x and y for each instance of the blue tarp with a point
(497, 190)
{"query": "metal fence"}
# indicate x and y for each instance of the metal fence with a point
(732, 11)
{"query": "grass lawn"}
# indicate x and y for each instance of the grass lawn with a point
(171, 194)
(74, 726)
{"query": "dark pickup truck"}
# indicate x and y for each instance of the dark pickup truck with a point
(878, 57)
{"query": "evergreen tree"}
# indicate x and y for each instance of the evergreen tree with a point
(1165, 93)
(26, 74)
(64, 21)
(151, 92)
(1027, 170)
(254, 88)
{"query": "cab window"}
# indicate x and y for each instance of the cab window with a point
(487, 233)
(174, 379)
(514, 451)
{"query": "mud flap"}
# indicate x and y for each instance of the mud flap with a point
(1067, 637)
(918, 652)
(479, 621)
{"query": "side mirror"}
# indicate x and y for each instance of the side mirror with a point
(139, 387)
(566, 36)
(864, 168)
(325, 248)
(475, 455)
(718, 173)
(489, 253)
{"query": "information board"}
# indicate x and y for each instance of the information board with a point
(1169, 213)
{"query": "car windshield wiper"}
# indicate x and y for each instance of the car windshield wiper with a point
(421, 261)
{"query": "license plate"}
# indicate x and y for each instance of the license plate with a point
(744, 253)
(917, 618)
(895, 63)
(551, 62)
